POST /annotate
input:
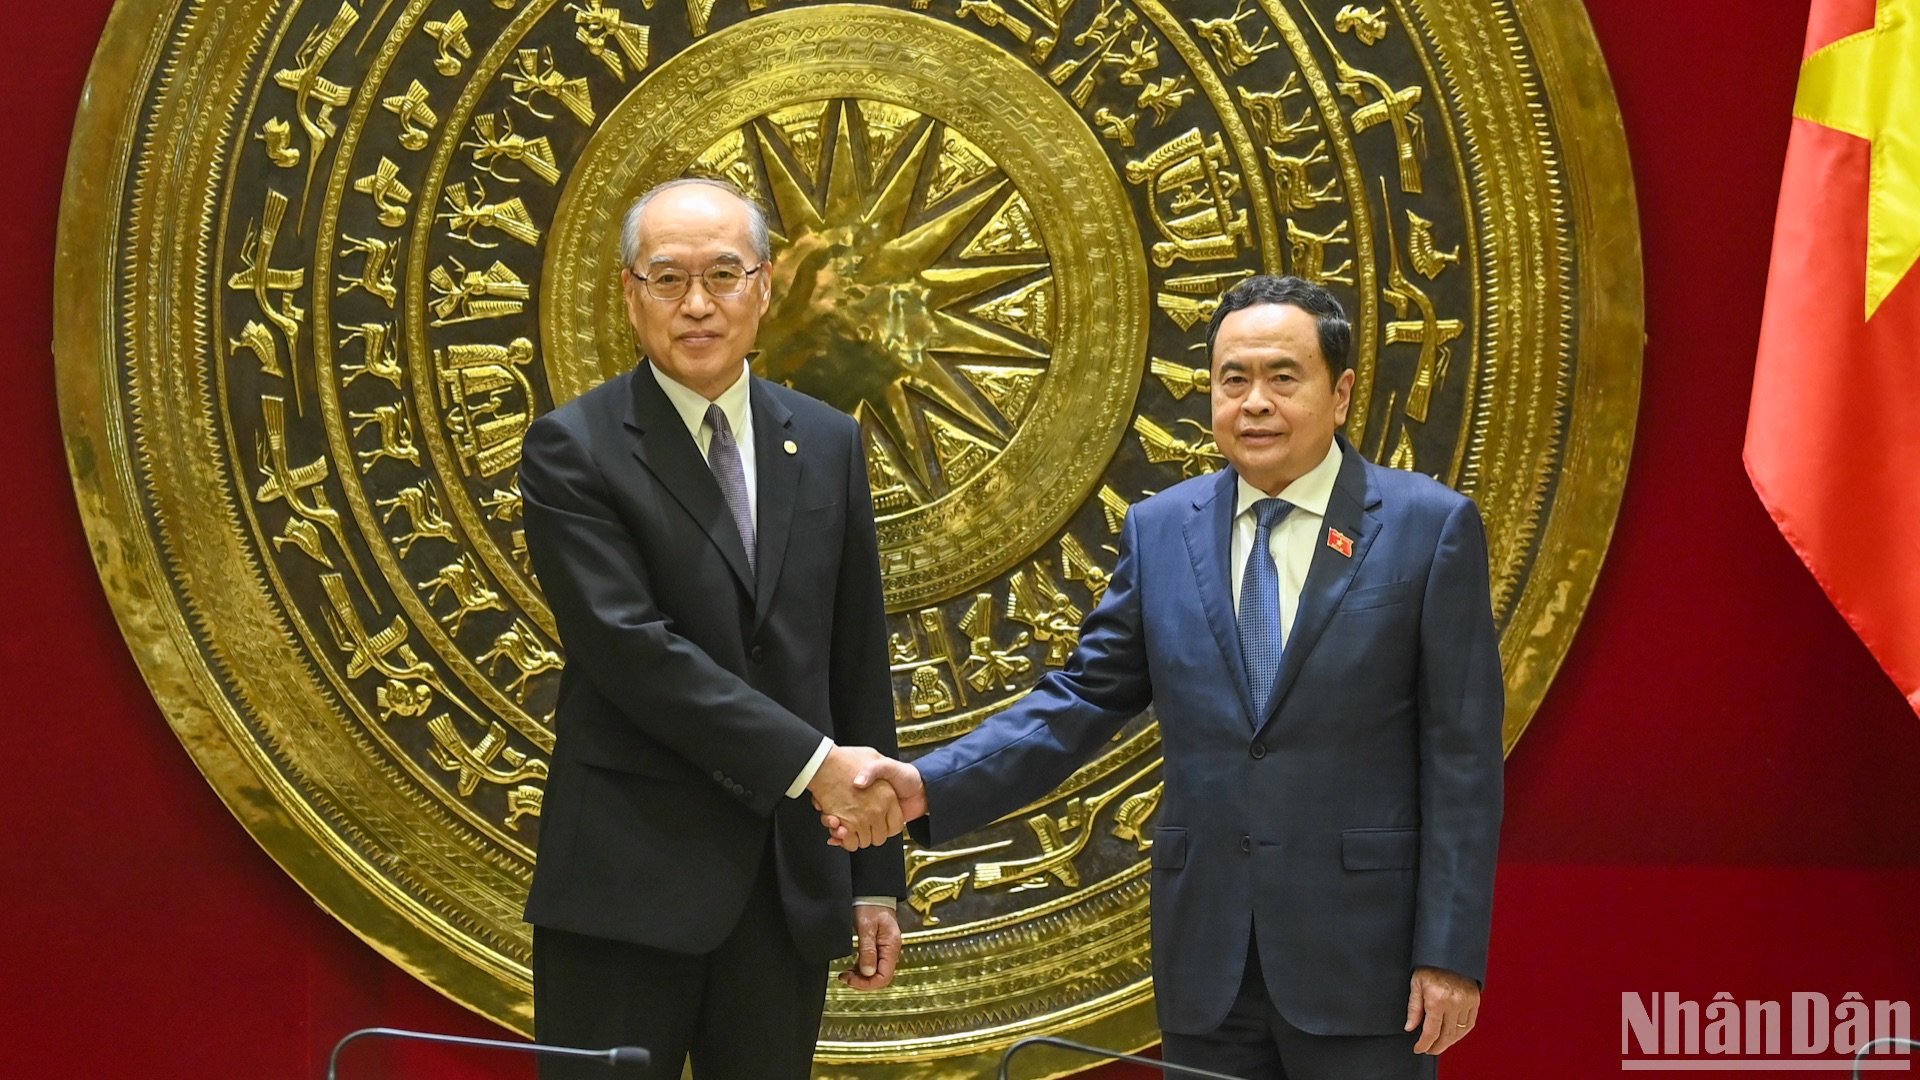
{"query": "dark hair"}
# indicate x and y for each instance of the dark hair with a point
(1336, 334)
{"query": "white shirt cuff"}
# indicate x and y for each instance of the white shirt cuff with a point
(888, 902)
(799, 785)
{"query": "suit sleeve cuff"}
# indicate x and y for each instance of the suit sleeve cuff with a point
(888, 902)
(799, 785)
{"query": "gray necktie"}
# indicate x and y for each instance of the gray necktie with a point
(723, 457)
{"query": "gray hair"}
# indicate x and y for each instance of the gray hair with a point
(756, 217)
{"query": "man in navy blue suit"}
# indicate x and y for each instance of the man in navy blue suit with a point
(1316, 637)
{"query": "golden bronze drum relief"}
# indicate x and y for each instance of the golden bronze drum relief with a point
(322, 262)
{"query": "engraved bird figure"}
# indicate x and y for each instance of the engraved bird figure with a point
(368, 652)
(390, 196)
(988, 665)
(534, 73)
(1163, 447)
(470, 211)
(1179, 379)
(477, 294)
(1129, 821)
(278, 135)
(475, 763)
(451, 36)
(495, 140)
(1034, 599)
(256, 337)
(417, 118)
(1425, 255)
(599, 24)
(1116, 127)
(1079, 566)
(1165, 96)
(928, 892)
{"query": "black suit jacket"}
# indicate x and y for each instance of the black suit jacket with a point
(1354, 818)
(695, 690)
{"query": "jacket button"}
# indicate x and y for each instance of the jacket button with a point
(719, 776)
(758, 653)
(1258, 751)
(1246, 843)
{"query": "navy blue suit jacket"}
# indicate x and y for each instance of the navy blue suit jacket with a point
(1355, 821)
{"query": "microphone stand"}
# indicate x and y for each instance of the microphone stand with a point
(1095, 1051)
(1859, 1059)
(619, 1057)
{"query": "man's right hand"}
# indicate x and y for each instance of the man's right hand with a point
(868, 815)
(901, 778)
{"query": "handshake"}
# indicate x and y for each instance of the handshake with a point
(864, 797)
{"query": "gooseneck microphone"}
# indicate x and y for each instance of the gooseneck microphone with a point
(630, 1057)
(1110, 1055)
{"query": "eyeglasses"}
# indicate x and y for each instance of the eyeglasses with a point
(724, 281)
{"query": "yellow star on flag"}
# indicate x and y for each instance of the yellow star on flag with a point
(1868, 84)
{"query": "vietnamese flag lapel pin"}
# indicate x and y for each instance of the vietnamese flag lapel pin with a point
(1340, 542)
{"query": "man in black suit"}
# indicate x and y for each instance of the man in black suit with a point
(706, 541)
(1316, 636)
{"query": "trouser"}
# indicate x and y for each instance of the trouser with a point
(749, 1010)
(1256, 1043)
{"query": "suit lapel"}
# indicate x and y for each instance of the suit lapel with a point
(1330, 573)
(779, 486)
(1209, 535)
(669, 452)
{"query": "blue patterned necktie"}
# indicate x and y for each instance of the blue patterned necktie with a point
(723, 457)
(1260, 605)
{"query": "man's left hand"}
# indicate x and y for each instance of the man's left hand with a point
(879, 930)
(1447, 1004)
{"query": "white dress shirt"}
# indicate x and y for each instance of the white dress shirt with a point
(1292, 541)
(735, 402)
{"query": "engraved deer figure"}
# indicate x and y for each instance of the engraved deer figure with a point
(396, 435)
(519, 646)
(381, 359)
(424, 519)
(462, 578)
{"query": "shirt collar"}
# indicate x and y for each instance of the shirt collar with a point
(692, 406)
(1310, 492)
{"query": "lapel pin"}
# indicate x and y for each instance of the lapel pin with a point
(792, 447)
(1340, 542)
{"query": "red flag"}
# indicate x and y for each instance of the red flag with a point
(1833, 434)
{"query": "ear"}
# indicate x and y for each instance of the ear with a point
(764, 279)
(1342, 396)
(635, 295)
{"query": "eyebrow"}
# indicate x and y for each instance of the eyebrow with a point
(726, 256)
(1276, 364)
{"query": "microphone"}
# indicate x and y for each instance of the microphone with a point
(1110, 1055)
(631, 1057)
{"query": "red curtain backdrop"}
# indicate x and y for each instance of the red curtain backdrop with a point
(1720, 793)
